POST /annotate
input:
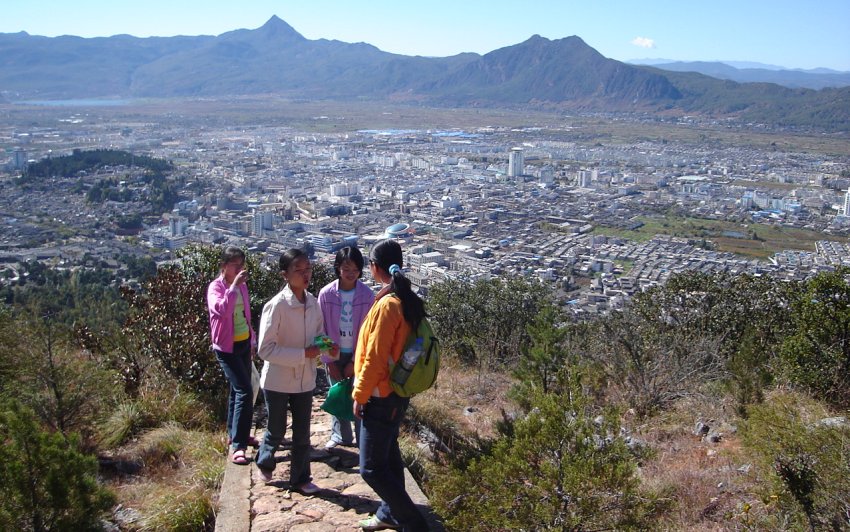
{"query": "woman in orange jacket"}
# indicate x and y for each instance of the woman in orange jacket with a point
(397, 311)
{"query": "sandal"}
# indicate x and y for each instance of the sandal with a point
(238, 457)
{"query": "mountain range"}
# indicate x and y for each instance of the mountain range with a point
(818, 78)
(275, 59)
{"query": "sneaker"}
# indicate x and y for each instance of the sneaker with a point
(308, 488)
(373, 523)
(332, 444)
(265, 474)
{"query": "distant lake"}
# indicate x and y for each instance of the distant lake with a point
(76, 103)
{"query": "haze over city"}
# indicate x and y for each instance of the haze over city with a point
(783, 33)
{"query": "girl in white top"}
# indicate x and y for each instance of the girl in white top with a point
(290, 322)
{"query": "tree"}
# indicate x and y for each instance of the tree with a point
(46, 483)
(697, 328)
(64, 386)
(560, 470)
(652, 361)
(817, 355)
(540, 364)
(486, 321)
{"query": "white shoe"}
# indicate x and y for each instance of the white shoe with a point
(308, 488)
(265, 474)
(332, 444)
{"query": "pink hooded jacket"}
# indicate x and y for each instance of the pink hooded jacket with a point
(221, 302)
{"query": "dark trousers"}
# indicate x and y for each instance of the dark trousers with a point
(301, 405)
(381, 465)
(240, 401)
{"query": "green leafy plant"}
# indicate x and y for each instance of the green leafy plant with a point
(559, 470)
(817, 355)
(46, 483)
(806, 459)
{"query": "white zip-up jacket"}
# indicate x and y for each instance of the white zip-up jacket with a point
(287, 327)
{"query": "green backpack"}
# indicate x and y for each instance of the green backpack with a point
(424, 373)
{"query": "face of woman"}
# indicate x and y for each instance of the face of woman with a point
(298, 274)
(231, 269)
(348, 274)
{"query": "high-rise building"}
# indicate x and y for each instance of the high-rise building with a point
(516, 163)
(261, 221)
(20, 159)
(847, 203)
(177, 225)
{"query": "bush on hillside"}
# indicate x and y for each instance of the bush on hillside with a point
(485, 322)
(61, 383)
(169, 320)
(560, 469)
(805, 453)
(46, 483)
(817, 355)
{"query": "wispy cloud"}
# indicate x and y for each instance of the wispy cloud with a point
(644, 42)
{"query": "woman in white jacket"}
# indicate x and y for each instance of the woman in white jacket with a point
(290, 322)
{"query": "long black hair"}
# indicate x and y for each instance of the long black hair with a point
(349, 253)
(386, 254)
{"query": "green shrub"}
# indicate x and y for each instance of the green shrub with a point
(46, 483)
(817, 356)
(807, 461)
(62, 384)
(560, 470)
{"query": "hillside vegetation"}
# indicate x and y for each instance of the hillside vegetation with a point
(632, 421)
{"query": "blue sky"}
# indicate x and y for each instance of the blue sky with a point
(790, 33)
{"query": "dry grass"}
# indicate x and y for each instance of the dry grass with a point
(179, 480)
(470, 400)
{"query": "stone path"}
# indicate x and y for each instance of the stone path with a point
(248, 504)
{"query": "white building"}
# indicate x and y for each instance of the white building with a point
(516, 163)
(177, 225)
(847, 203)
(261, 221)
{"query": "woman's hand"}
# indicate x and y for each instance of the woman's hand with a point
(333, 352)
(240, 279)
(357, 409)
(334, 372)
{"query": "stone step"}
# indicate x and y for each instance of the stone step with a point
(246, 503)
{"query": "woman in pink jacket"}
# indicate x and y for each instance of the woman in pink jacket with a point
(234, 342)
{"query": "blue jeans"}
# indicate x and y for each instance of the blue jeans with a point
(240, 404)
(301, 405)
(380, 461)
(341, 428)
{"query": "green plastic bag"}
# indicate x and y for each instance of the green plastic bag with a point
(339, 403)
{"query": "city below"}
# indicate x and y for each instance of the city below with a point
(598, 220)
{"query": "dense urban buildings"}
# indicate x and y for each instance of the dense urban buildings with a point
(468, 202)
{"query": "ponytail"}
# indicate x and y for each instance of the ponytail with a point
(388, 256)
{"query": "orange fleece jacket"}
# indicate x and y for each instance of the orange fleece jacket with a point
(382, 335)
